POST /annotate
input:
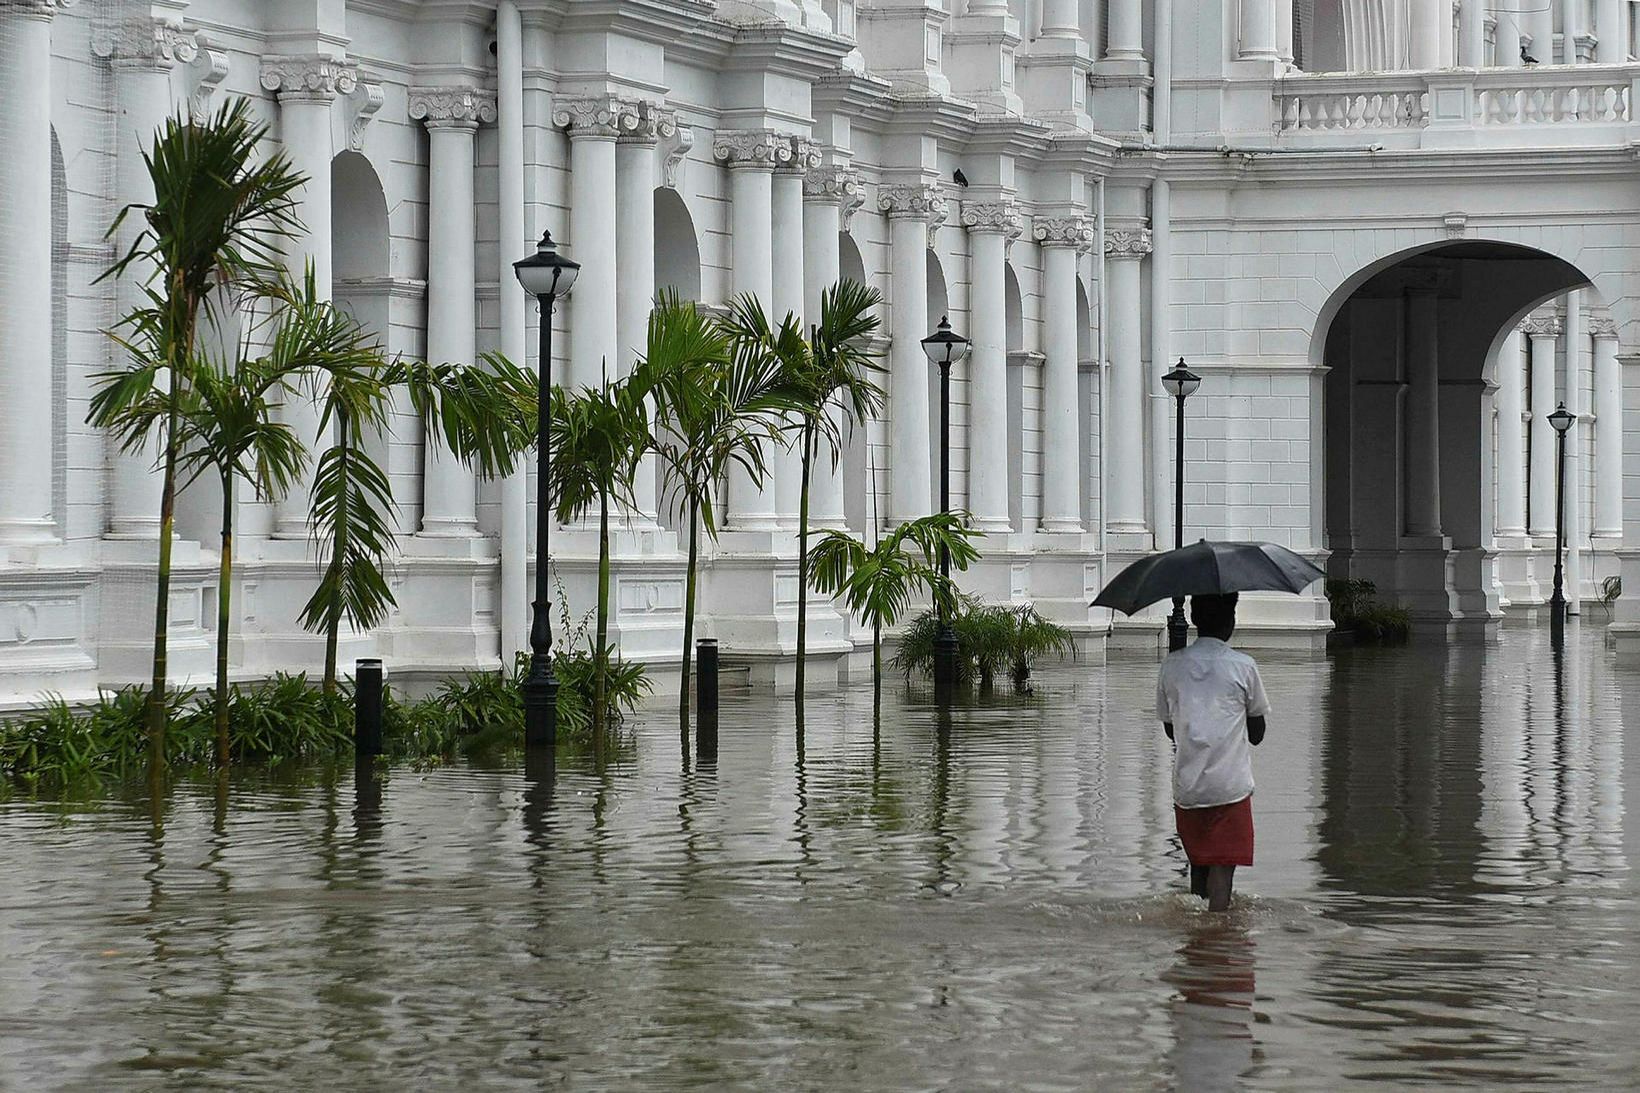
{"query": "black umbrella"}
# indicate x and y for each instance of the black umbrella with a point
(1205, 569)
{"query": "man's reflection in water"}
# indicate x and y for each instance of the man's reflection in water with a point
(1212, 1012)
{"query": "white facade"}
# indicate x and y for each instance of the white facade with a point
(1386, 270)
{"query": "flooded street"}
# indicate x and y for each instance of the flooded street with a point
(1445, 892)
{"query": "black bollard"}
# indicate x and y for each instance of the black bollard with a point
(706, 698)
(367, 706)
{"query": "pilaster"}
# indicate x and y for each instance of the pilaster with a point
(914, 211)
(992, 226)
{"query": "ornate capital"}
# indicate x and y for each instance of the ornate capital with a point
(604, 117)
(452, 107)
(1602, 326)
(913, 201)
(752, 149)
(36, 9)
(310, 78)
(804, 157)
(1541, 325)
(655, 124)
(993, 217)
(144, 43)
(1063, 231)
(1127, 243)
(838, 186)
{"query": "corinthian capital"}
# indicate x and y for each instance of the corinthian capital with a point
(313, 78)
(655, 124)
(838, 186)
(37, 9)
(804, 157)
(601, 116)
(1063, 231)
(1543, 324)
(452, 107)
(993, 218)
(144, 42)
(913, 201)
(1127, 243)
(752, 149)
(1602, 326)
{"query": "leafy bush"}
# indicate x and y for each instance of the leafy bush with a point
(1355, 607)
(991, 639)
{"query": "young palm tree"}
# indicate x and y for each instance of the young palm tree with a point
(713, 409)
(826, 372)
(879, 582)
(219, 219)
(599, 435)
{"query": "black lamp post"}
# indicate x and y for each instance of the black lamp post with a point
(944, 348)
(548, 276)
(1562, 419)
(1181, 383)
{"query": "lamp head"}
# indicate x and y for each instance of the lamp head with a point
(547, 273)
(945, 346)
(1562, 419)
(1181, 383)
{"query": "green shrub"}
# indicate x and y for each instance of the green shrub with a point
(991, 639)
(1355, 608)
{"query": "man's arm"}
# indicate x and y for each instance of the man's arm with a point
(1255, 731)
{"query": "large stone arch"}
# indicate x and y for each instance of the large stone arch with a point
(1409, 342)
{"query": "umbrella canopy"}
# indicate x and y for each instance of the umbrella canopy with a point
(1205, 569)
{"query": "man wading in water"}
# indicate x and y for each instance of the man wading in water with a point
(1211, 704)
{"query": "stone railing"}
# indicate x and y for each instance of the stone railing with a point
(1510, 99)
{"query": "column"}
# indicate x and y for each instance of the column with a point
(1511, 27)
(1608, 430)
(635, 258)
(829, 195)
(25, 275)
(1258, 40)
(1060, 18)
(594, 124)
(750, 156)
(1542, 331)
(1538, 19)
(1612, 47)
(911, 210)
(1425, 33)
(991, 226)
(1511, 460)
(1124, 38)
(1571, 29)
(1576, 344)
(1062, 238)
(141, 51)
(452, 115)
(515, 239)
(1472, 33)
(1125, 476)
(1423, 407)
(1284, 31)
(786, 294)
(306, 87)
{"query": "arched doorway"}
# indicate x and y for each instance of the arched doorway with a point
(1412, 345)
(677, 251)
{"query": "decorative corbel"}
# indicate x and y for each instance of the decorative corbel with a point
(674, 146)
(366, 98)
(209, 69)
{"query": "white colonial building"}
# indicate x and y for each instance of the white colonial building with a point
(1390, 235)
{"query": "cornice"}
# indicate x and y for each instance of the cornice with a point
(308, 77)
(1127, 243)
(144, 43)
(931, 116)
(1304, 167)
(1008, 134)
(775, 47)
(456, 107)
(1089, 152)
(672, 23)
(861, 96)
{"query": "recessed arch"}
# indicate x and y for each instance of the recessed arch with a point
(677, 249)
(856, 471)
(1021, 374)
(939, 306)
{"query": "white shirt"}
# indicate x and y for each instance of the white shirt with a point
(1207, 691)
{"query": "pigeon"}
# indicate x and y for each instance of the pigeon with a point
(959, 178)
(1527, 58)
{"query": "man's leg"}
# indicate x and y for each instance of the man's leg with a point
(1198, 880)
(1219, 881)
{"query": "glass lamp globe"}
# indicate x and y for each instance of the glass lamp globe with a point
(945, 346)
(547, 273)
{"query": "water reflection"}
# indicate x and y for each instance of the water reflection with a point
(984, 897)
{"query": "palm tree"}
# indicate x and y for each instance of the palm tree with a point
(827, 371)
(879, 583)
(599, 435)
(714, 408)
(219, 220)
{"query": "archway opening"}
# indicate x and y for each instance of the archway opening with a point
(677, 251)
(1087, 407)
(1412, 346)
(857, 503)
(939, 304)
(1021, 416)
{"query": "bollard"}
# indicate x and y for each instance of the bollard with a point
(706, 698)
(367, 706)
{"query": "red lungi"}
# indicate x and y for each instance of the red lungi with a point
(1220, 835)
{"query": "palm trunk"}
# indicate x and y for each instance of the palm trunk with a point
(803, 563)
(224, 598)
(338, 548)
(600, 662)
(162, 592)
(689, 613)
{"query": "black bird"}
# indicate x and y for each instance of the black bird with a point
(959, 178)
(1526, 58)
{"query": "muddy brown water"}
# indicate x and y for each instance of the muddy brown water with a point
(1445, 894)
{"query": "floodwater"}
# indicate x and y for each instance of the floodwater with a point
(1445, 893)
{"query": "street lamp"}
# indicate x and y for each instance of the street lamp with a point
(1181, 383)
(548, 276)
(1562, 419)
(945, 347)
